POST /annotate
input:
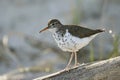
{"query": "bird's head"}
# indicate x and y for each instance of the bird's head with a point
(52, 25)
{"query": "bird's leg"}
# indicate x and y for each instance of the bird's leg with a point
(67, 67)
(76, 62)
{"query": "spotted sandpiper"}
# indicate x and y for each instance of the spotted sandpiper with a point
(71, 38)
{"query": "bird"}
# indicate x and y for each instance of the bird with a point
(71, 38)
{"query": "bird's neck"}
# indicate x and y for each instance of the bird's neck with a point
(53, 30)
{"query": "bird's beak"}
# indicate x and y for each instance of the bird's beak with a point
(44, 29)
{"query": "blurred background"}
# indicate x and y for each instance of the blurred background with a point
(25, 54)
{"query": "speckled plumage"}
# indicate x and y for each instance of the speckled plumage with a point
(71, 38)
(70, 43)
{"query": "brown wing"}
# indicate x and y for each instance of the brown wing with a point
(81, 32)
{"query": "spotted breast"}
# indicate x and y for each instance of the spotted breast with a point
(70, 43)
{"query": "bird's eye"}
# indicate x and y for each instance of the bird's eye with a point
(53, 24)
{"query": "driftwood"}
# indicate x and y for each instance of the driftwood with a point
(102, 70)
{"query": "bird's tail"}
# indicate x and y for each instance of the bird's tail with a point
(100, 30)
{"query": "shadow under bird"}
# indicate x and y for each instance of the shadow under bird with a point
(71, 38)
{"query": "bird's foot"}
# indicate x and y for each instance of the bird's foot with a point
(67, 68)
(76, 65)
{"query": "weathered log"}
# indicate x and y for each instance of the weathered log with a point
(101, 70)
